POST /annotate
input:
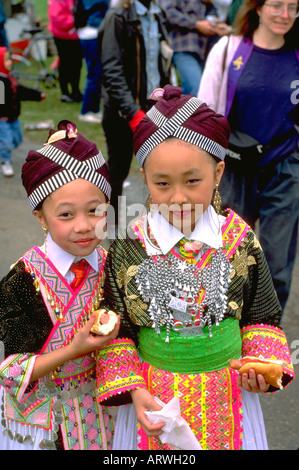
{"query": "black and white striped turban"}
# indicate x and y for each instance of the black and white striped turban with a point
(184, 117)
(66, 156)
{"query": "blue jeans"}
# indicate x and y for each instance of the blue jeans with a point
(270, 194)
(190, 70)
(92, 92)
(11, 136)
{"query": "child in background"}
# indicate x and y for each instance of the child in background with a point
(192, 287)
(47, 378)
(11, 96)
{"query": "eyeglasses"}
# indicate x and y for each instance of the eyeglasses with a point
(277, 8)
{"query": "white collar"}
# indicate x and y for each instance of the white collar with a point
(63, 260)
(207, 230)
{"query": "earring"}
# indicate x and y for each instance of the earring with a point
(217, 200)
(45, 229)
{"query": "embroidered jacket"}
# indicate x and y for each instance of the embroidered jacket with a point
(40, 312)
(252, 301)
(195, 369)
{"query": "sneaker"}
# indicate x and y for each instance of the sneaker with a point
(67, 99)
(99, 114)
(7, 169)
(95, 118)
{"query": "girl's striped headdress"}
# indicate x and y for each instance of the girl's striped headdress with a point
(184, 117)
(66, 156)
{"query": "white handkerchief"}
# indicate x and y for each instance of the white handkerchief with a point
(177, 433)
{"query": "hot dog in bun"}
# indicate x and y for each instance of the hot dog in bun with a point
(105, 322)
(270, 369)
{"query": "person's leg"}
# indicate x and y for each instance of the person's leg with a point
(70, 55)
(92, 91)
(17, 133)
(63, 72)
(120, 152)
(190, 70)
(6, 146)
(279, 214)
(75, 58)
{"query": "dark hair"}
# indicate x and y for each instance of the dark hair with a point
(247, 21)
(292, 37)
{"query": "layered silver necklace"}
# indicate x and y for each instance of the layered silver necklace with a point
(171, 287)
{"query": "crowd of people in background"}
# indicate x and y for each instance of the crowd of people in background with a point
(131, 48)
(140, 46)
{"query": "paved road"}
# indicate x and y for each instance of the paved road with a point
(19, 231)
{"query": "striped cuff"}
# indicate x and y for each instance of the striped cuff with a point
(269, 342)
(118, 369)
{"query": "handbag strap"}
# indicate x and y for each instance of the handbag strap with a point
(278, 140)
(225, 54)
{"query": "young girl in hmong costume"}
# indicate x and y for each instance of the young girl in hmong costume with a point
(193, 289)
(47, 377)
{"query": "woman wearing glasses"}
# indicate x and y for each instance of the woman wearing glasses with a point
(252, 77)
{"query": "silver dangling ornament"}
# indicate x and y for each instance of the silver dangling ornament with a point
(170, 286)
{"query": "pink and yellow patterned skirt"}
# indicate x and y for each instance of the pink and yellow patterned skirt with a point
(196, 371)
(210, 403)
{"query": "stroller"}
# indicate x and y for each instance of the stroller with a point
(30, 46)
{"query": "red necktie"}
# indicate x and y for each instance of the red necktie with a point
(79, 269)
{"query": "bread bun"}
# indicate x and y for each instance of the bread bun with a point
(271, 370)
(105, 322)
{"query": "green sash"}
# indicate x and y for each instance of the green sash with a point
(192, 354)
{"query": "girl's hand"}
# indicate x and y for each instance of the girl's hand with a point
(85, 342)
(253, 382)
(82, 343)
(144, 401)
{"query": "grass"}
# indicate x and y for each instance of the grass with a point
(41, 9)
(52, 108)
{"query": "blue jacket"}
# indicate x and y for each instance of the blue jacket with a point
(90, 12)
(2, 13)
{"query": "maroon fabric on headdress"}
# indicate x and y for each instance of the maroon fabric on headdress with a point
(37, 168)
(204, 120)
